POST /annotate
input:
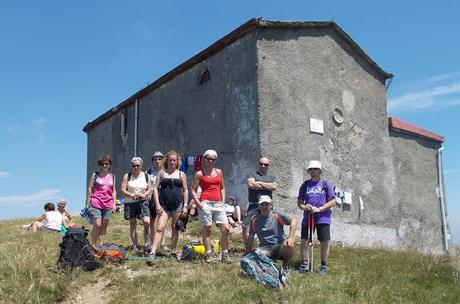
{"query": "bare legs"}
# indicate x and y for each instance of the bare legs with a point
(161, 224)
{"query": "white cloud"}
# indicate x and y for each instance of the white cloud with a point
(4, 174)
(443, 77)
(14, 129)
(440, 96)
(40, 196)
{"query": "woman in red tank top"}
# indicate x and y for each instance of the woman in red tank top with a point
(211, 203)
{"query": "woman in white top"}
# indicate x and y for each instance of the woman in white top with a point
(135, 188)
(51, 220)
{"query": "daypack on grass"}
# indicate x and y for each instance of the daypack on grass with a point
(188, 253)
(192, 250)
(111, 252)
(261, 268)
(77, 251)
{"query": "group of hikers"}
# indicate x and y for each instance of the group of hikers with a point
(161, 193)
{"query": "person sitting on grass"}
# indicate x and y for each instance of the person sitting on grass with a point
(66, 216)
(233, 212)
(50, 221)
(268, 225)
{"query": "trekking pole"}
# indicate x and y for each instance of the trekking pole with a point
(310, 228)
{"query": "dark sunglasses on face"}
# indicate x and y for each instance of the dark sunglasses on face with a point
(135, 166)
(210, 159)
(264, 165)
(104, 164)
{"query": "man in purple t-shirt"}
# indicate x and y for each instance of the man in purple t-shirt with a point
(316, 196)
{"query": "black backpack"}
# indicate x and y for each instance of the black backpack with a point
(77, 251)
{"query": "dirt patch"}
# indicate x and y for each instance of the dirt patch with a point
(97, 293)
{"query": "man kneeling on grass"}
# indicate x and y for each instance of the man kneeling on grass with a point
(268, 225)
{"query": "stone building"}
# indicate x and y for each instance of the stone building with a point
(292, 91)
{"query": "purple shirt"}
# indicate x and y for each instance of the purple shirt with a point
(315, 194)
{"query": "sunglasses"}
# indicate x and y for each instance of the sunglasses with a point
(135, 166)
(104, 164)
(264, 165)
(210, 159)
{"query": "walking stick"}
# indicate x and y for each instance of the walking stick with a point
(310, 228)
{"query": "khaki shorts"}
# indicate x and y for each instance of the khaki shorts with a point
(212, 212)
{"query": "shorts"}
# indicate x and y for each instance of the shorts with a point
(253, 209)
(323, 231)
(94, 213)
(229, 208)
(172, 207)
(136, 210)
(273, 252)
(212, 212)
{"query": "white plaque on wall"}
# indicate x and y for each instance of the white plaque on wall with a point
(316, 126)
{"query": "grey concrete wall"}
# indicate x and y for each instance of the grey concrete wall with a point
(416, 182)
(106, 139)
(219, 114)
(307, 73)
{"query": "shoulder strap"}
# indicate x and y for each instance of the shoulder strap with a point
(279, 219)
(129, 177)
(253, 223)
(93, 177)
(325, 187)
(146, 177)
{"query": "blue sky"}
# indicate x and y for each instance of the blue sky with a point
(63, 63)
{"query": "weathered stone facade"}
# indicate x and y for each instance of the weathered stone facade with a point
(253, 92)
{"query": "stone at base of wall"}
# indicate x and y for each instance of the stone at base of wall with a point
(364, 235)
(369, 236)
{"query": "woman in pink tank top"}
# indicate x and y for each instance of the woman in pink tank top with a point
(211, 203)
(100, 199)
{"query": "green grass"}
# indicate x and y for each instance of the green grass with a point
(28, 275)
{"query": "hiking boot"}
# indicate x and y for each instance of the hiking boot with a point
(173, 256)
(323, 270)
(283, 275)
(136, 251)
(226, 258)
(150, 259)
(207, 257)
(303, 267)
(147, 248)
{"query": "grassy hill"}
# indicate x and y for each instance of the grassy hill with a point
(28, 275)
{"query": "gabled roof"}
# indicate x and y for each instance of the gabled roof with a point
(398, 125)
(245, 29)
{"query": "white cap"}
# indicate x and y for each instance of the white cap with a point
(314, 164)
(210, 153)
(264, 199)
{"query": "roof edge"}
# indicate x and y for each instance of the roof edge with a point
(241, 31)
(399, 125)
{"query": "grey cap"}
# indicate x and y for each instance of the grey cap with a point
(157, 154)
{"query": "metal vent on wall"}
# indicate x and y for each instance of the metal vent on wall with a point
(204, 76)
